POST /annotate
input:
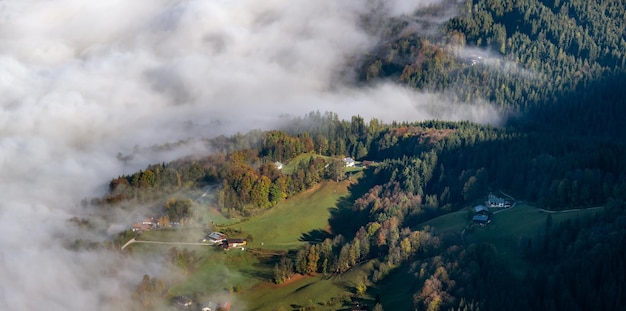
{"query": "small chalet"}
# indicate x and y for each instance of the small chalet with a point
(278, 165)
(348, 162)
(215, 238)
(234, 243)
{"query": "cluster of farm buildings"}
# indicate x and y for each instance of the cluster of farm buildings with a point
(147, 224)
(152, 223)
(482, 214)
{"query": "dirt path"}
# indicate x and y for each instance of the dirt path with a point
(506, 195)
(296, 277)
(132, 241)
(569, 210)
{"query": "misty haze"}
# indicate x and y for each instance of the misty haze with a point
(414, 111)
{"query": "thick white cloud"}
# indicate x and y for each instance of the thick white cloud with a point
(82, 80)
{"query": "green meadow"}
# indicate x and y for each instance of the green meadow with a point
(183, 234)
(453, 222)
(506, 230)
(248, 273)
(509, 227)
(290, 166)
(282, 226)
(223, 272)
(324, 292)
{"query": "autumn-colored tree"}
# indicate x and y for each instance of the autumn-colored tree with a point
(148, 291)
(283, 270)
(307, 143)
(335, 169)
(360, 288)
(313, 257)
(178, 209)
(259, 194)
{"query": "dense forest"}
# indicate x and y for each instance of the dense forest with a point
(452, 162)
(555, 68)
(551, 60)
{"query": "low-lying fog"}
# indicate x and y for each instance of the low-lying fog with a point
(82, 80)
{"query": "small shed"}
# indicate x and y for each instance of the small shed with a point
(224, 306)
(211, 306)
(481, 219)
(215, 237)
(357, 306)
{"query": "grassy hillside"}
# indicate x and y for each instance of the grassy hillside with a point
(291, 166)
(510, 226)
(449, 223)
(283, 226)
(507, 226)
(224, 272)
(305, 291)
(397, 289)
(192, 234)
(319, 291)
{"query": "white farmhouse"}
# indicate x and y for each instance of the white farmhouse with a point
(348, 162)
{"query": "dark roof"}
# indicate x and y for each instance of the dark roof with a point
(183, 301)
(480, 208)
(216, 236)
(480, 218)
